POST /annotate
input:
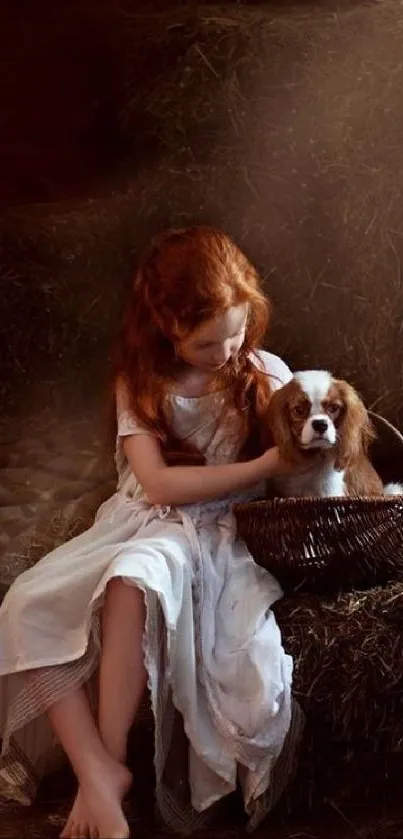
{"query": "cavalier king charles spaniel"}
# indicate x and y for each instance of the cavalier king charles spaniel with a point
(321, 426)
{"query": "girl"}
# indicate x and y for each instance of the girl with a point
(159, 590)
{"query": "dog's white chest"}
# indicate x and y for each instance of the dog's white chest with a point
(318, 483)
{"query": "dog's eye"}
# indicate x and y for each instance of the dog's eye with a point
(298, 411)
(333, 408)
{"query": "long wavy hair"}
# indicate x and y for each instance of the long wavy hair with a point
(187, 277)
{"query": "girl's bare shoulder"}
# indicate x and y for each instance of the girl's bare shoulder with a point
(274, 366)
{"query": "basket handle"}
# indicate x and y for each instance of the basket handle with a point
(379, 420)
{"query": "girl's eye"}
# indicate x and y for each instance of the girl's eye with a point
(205, 346)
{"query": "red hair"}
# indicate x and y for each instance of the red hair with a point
(187, 277)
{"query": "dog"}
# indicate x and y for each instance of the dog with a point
(321, 426)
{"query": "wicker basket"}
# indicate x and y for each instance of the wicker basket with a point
(330, 544)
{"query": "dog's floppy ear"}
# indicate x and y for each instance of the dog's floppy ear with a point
(277, 419)
(355, 432)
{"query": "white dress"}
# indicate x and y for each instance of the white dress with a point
(212, 646)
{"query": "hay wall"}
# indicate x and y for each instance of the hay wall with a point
(282, 124)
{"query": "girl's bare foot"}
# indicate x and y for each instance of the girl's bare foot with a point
(97, 811)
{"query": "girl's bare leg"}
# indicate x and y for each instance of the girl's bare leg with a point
(97, 811)
(122, 674)
(98, 757)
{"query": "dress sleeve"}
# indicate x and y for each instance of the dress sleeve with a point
(127, 422)
(275, 367)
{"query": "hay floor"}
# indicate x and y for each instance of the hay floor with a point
(45, 819)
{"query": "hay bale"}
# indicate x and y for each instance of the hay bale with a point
(348, 658)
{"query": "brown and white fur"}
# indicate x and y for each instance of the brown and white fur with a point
(321, 425)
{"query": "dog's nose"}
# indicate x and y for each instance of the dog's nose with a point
(319, 425)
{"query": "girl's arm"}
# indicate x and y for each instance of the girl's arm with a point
(168, 485)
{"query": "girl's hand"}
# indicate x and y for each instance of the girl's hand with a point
(277, 465)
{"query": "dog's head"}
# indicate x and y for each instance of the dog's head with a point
(315, 414)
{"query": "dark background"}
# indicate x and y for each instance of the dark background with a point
(283, 124)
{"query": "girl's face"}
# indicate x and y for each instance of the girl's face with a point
(213, 343)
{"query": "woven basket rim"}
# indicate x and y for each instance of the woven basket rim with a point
(316, 503)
